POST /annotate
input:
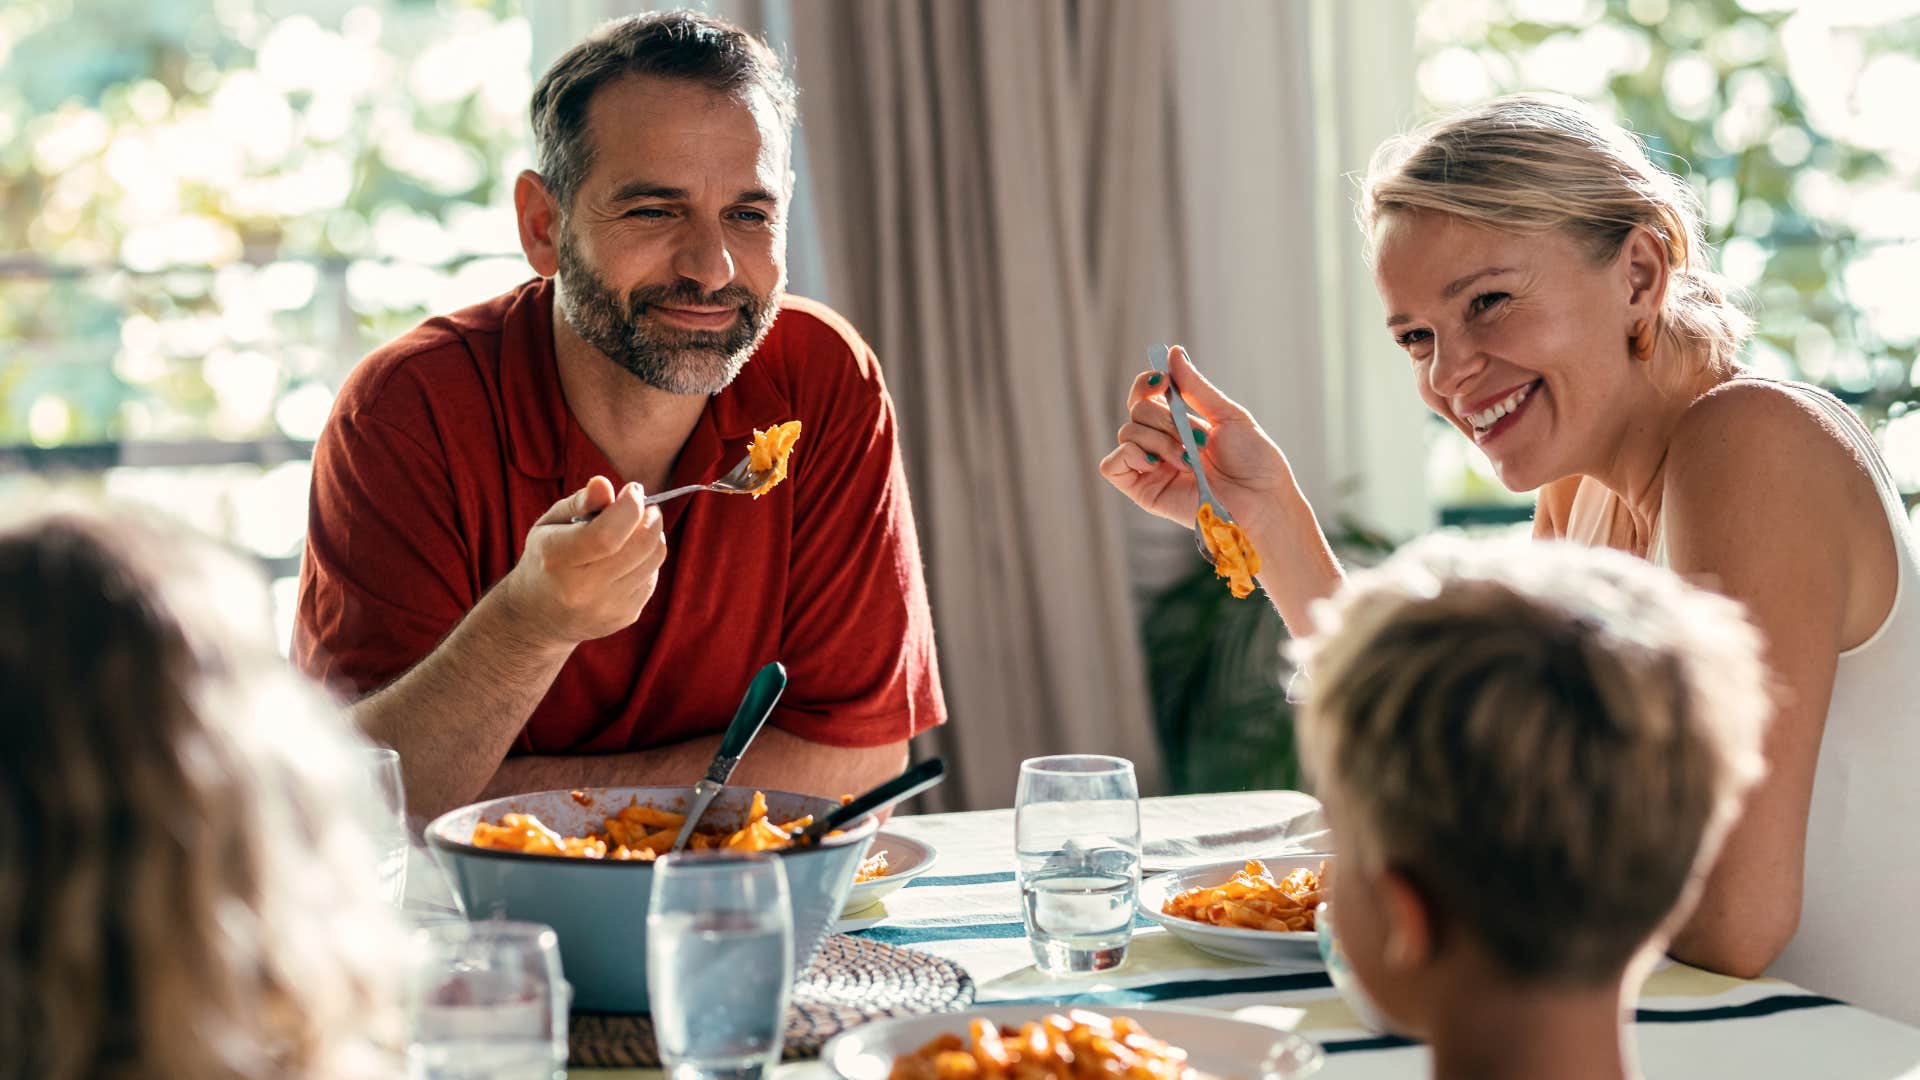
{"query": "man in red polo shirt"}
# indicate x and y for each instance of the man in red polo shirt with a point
(499, 646)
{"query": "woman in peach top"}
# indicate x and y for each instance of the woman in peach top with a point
(1549, 286)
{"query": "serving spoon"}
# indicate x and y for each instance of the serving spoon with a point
(905, 786)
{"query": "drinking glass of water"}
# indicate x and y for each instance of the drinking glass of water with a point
(1077, 837)
(389, 819)
(488, 1002)
(719, 963)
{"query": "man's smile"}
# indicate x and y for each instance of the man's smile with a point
(696, 318)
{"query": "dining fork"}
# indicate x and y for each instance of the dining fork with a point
(742, 479)
(1157, 359)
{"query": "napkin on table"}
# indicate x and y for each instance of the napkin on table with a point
(1184, 832)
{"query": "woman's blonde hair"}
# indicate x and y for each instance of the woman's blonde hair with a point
(1548, 740)
(1535, 163)
(185, 887)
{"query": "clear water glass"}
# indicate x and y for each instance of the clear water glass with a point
(719, 963)
(1340, 970)
(1077, 840)
(488, 1002)
(389, 819)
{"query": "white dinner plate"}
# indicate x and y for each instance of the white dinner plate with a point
(906, 859)
(1216, 1044)
(1231, 942)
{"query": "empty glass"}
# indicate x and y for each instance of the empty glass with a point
(1077, 838)
(719, 963)
(389, 819)
(488, 1002)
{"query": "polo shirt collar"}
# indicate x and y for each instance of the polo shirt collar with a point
(752, 400)
(534, 409)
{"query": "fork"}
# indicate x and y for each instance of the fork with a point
(1157, 359)
(742, 479)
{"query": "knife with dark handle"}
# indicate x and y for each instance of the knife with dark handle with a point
(905, 786)
(754, 709)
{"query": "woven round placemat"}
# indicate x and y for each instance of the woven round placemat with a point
(851, 981)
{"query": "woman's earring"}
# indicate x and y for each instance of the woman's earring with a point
(1642, 340)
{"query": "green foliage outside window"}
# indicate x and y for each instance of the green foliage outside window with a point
(210, 209)
(1795, 121)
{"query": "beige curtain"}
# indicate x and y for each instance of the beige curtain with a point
(994, 219)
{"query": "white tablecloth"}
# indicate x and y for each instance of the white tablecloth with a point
(1690, 1023)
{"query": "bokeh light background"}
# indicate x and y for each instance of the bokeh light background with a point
(210, 209)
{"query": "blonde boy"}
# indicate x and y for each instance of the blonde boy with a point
(1529, 755)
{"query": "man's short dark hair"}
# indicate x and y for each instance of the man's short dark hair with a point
(686, 45)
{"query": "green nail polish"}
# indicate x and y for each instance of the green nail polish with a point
(1153, 459)
(1154, 379)
(1186, 458)
(1199, 437)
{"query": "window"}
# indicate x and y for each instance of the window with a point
(210, 210)
(1795, 122)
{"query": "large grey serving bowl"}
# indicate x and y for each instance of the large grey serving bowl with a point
(599, 907)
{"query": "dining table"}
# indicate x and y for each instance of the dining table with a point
(1687, 1022)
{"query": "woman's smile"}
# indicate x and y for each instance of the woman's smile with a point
(1493, 418)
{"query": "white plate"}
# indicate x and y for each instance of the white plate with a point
(1231, 942)
(906, 859)
(1216, 1044)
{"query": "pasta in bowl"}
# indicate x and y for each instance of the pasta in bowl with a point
(1253, 899)
(1260, 911)
(1049, 1042)
(892, 862)
(642, 833)
(598, 905)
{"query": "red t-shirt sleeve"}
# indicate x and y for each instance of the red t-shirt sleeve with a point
(385, 576)
(858, 640)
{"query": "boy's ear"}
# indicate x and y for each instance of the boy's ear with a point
(1411, 927)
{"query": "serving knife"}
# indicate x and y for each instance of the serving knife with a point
(754, 709)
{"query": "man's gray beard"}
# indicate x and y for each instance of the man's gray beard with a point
(671, 359)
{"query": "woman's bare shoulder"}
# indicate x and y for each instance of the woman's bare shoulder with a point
(1755, 457)
(1762, 431)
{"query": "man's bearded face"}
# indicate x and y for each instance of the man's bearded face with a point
(678, 360)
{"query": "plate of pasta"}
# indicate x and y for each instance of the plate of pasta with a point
(1260, 910)
(1017, 1042)
(892, 860)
